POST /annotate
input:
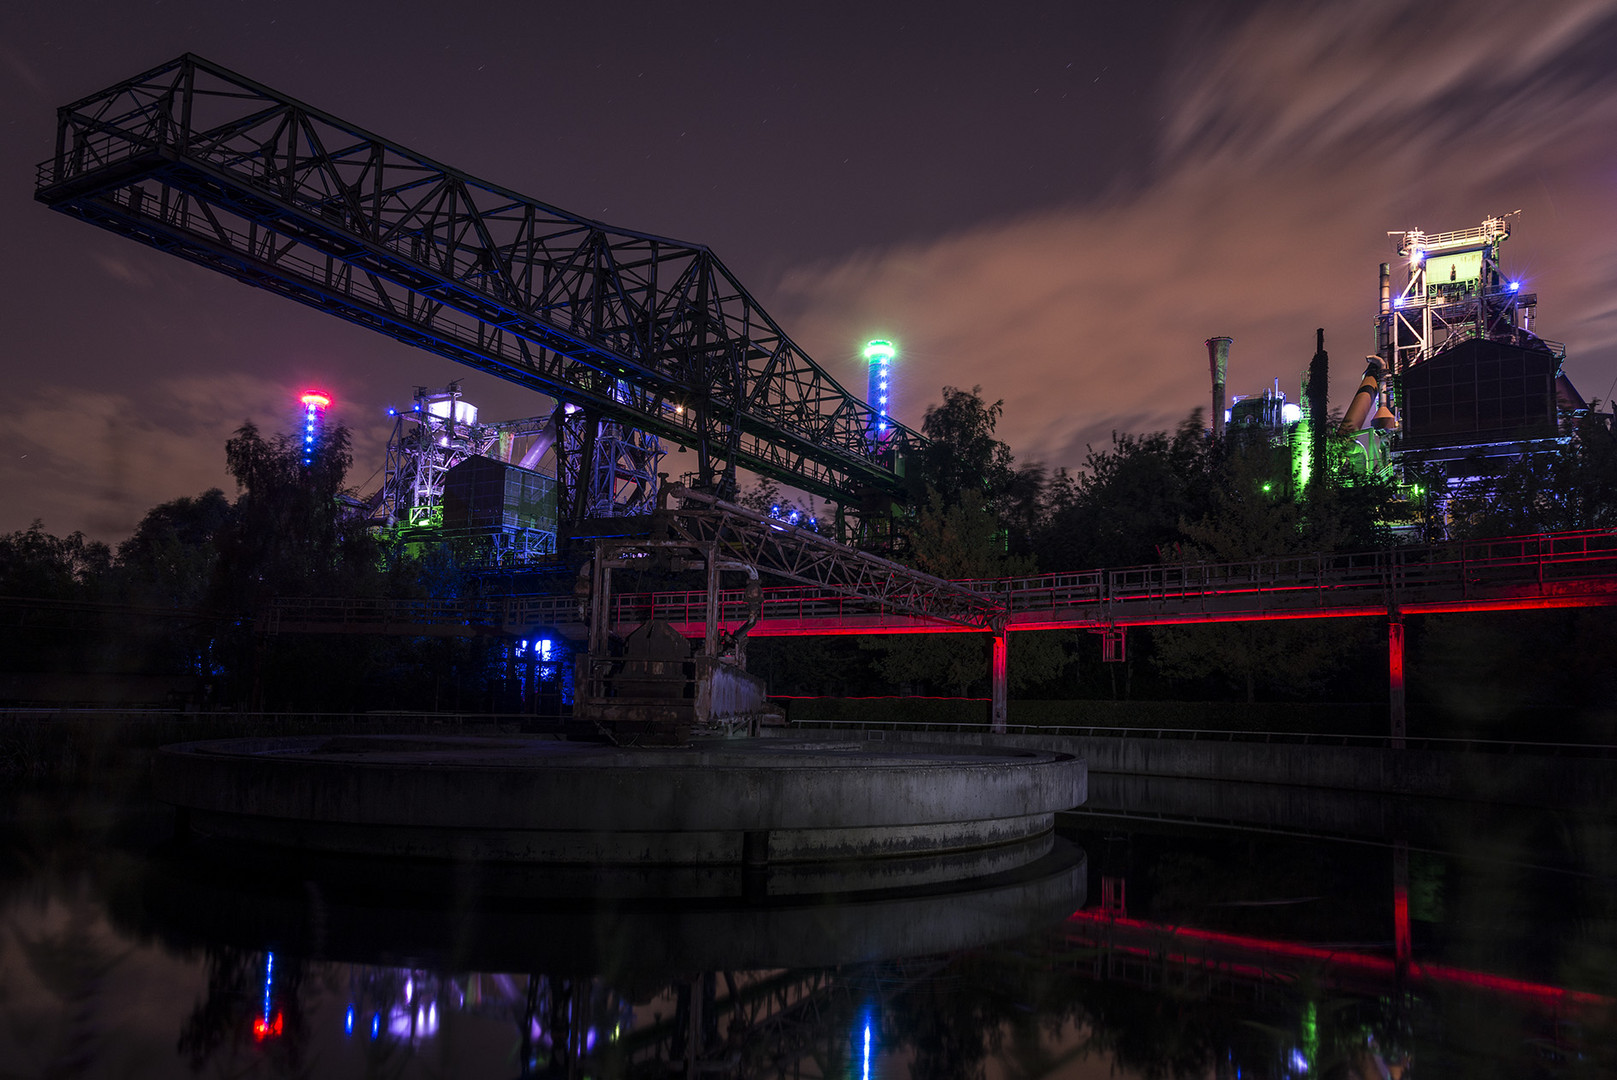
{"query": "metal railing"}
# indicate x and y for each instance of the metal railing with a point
(1569, 566)
(1478, 570)
(1302, 738)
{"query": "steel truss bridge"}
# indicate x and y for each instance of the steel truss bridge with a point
(1558, 570)
(1574, 569)
(1555, 570)
(656, 334)
(730, 534)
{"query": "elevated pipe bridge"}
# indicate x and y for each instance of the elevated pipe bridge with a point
(200, 162)
(1556, 570)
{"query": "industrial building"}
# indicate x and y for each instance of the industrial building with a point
(480, 486)
(1474, 386)
(1459, 388)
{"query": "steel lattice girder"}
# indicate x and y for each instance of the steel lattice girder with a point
(799, 555)
(217, 169)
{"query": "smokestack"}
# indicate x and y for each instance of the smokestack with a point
(1319, 378)
(1386, 288)
(1218, 362)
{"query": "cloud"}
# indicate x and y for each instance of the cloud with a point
(122, 270)
(97, 460)
(1292, 143)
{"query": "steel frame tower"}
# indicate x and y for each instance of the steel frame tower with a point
(428, 440)
(215, 168)
(1455, 291)
(606, 469)
(438, 433)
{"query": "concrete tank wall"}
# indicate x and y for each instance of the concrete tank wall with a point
(1528, 779)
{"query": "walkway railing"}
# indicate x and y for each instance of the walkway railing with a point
(1303, 738)
(1551, 570)
(1566, 568)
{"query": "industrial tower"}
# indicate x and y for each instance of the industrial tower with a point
(1466, 384)
(447, 476)
(1456, 291)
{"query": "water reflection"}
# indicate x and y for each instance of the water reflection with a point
(1174, 950)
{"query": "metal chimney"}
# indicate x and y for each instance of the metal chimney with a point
(1218, 363)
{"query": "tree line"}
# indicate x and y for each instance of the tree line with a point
(178, 595)
(974, 511)
(1184, 496)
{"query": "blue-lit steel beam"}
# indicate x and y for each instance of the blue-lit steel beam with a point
(200, 162)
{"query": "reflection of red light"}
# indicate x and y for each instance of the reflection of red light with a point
(1371, 965)
(267, 1029)
(314, 399)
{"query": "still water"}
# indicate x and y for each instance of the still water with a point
(1459, 942)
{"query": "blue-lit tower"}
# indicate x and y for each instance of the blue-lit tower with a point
(879, 357)
(315, 405)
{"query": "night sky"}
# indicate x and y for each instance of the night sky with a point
(1057, 201)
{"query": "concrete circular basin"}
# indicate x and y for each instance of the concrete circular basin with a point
(787, 806)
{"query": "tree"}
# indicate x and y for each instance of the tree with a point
(961, 454)
(36, 565)
(172, 557)
(1126, 506)
(1571, 487)
(39, 565)
(961, 540)
(1253, 516)
(289, 534)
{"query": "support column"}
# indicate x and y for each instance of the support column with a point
(999, 677)
(710, 640)
(1395, 677)
(1400, 905)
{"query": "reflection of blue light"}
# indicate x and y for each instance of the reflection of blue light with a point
(269, 974)
(1298, 1061)
(348, 1021)
(376, 1024)
(867, 1050)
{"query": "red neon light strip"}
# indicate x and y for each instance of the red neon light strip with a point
(1377, 965)
(840, 626)
(872, 697)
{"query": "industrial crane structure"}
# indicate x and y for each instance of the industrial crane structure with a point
(653, 338)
